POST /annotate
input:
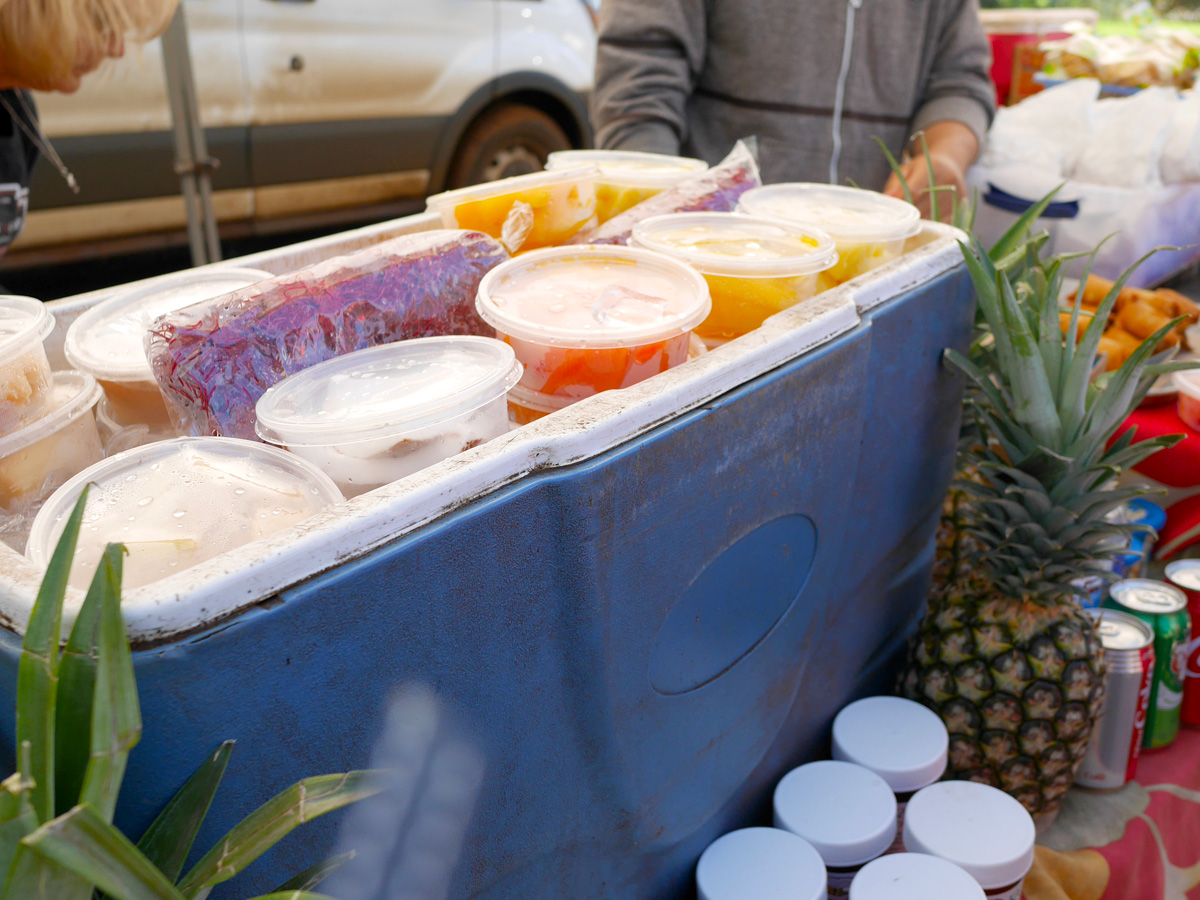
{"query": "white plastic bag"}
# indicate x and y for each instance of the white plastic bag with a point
(1124, 143)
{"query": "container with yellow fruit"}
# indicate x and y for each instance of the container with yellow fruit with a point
(869, 228)
(526, 212)
(627, 177)
(754, 267)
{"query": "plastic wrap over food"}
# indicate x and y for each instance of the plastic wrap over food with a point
(715, 190)
(214, 360)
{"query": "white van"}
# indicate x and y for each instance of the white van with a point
(320, 112)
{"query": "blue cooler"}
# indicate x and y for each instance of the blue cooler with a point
(645, 608)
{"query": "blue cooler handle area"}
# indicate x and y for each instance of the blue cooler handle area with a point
(1062, 209)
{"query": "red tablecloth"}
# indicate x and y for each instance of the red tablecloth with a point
(1157, 853)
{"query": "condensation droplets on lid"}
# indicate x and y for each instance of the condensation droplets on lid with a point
(177, 503)
(763, 864)
(109, 339)
(601, 296)
(846, 213)
(23, 321)
(382, 390)
(901, 741)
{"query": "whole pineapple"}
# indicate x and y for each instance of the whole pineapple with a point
(1005, 653)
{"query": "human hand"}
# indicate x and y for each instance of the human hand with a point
(949, 177)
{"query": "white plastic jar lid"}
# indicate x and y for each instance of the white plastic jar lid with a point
(846, 812)
(512, 185)
(630, 167)
(109, 339)
(978, 828)
(913, 876)
(212, 493)
(601, 296)
(387, 390)
(73, 394)
(1148, 596)
(735, 244)
(23, 320)
(846, 213)
(762, 864)
(901, 741)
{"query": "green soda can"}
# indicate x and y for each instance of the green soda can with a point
(1164, 609)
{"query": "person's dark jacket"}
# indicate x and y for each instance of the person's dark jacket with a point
(693, 76)
(17, 156)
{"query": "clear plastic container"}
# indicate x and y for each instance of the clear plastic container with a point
(525, 406)
(25, 381)
(588, 319)
(176, 503)
(627, 177)
(527, 212)
(760, 863)
(1188, 385)
(869, 228)
(118, 437)
(901, 741)
(108, 341)
(38, 458)
(846, 812)
(979, 828)
(913, 876)
(754, 267)
(374, 416)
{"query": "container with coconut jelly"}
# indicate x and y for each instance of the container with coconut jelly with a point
(755, 863)
(372, 417)
(26, 385)
(846, 812)
(978, 828)
(914, 876)
(902, 742)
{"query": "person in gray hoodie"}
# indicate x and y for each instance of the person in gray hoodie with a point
(813, 80)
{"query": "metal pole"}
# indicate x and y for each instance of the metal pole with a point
(192, 162)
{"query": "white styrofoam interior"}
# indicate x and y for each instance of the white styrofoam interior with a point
(218, 588)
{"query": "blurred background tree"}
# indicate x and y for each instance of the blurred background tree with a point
(1108, 8)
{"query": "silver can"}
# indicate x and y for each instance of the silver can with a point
(1112, 755)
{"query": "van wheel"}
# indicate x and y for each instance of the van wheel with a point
(512, 139)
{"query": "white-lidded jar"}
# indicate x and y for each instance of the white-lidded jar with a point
(108, 341)
(760, 864)
(914, 876)
(870, 229)
(979, 828)
(524, 212)
(904, 743)
(627, 177)
(374, 416)
(176, 503)
(38, 458)
(754, 267)
(846, 812)
(26, 384)
(586, 319)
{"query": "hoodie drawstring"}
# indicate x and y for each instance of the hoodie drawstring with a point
(840, 98)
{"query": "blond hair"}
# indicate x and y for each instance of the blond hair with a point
(44, 43)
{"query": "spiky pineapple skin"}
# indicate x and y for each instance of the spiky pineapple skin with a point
(1018, 683)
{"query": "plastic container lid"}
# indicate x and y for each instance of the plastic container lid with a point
(108, 339)
(901, 741)
(201, 495)
(74, 393)
(845, 213)
(974, 826)
(1146, 596)
(602, 296)
(387, 390)
(512, 185)
(23, 321)
(761, 864)
(1188, 383)
(1121, 631)
(629, 167)
(732, 244)
(1185, 573)
(536, 401)
(846, 812)
(914, 876)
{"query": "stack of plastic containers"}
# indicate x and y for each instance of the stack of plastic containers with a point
(626, 177)
(47, 429)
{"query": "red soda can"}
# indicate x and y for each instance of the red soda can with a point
(1185, 575)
